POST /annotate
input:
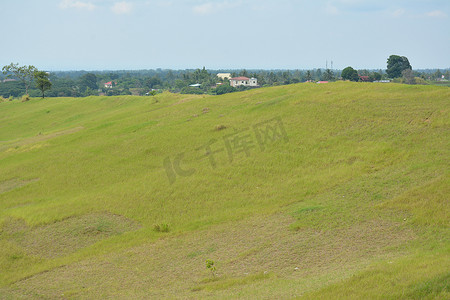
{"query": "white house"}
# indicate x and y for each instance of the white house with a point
(224, 76)
(245, 81)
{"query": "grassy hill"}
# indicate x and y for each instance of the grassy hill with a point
(337, 190)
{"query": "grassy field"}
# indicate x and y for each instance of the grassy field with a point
(334, 191)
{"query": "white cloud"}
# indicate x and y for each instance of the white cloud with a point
(204, 9)
(121, 8)
(436, 14)
(165, 3)
(331, 9)
(65, 4)
(399, 12)
(212, 7)
(351, 2)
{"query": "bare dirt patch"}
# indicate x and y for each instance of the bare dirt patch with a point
(67, 236)
(175, 266)
(11, 184)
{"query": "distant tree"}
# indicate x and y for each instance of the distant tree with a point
(286, 77)
(408, 76)
(363, 72)
(437, 74)
(89, 92)
(224, 89)
(12, 88)
(447, 75)
(308, 76)
(328, 75)
(396, 65)
(113, 76)
(23, 73)
(261, 79)
(179, 84)
(153, 82)
(272, 78)
(199, 76)
(88, 80)
(350, 74)
(191, 90)
(42, 81)
(318, 74)
(244, 73)
(374, 76)
(125, 91)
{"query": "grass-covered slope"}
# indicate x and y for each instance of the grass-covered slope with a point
(334, 190)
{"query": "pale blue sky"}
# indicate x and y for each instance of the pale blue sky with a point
(252, 34)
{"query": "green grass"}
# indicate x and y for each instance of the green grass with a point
(354, 195)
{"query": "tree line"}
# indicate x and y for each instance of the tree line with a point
(19, 80)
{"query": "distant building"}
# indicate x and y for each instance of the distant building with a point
(245, 81)
(224, 76)
(9, 80)
(363, 78)
(109, 84)
(322, 81)
(195, 85)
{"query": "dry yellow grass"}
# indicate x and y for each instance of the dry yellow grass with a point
(250, 251)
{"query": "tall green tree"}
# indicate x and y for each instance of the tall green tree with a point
(308, 76)
(396, 65)
(350, 74)
(318, 74)
(437, 74)
(244, 73)
(22, 73)
(272, 78)
(42, 81)
(88, 80)
(153, 82)
(328, 75)
(374, 76)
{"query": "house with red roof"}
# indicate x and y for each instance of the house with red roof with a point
(242, 80)
(109, 84)
(364, 78)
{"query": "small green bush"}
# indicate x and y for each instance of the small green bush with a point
(25, 98)
(163, 227)
(191, 90)
(420, 80)
(210, 265)
(224, 89)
